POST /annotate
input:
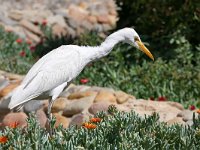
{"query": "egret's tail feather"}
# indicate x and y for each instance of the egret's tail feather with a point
(19, 97)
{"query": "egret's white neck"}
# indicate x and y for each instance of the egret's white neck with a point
(106, 47)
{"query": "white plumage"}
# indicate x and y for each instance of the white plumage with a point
(53, 72)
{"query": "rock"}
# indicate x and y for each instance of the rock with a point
(18, 30)
(59, 20)
(112, 20)
(32, 106)
(3, 82)
(83, 5)
(59, 31)
(15, 15)
(142, 107)
(92, 19)
(103, 19)
(104, 95)
(123, 108)
(87, 25)
(41, 117)
(189, 122)
(122, 97)
(98, 89)
(74, 23)
(32, 36)
(100, 106)
(79, 119)
(81, 16)
(113, 12)
(59, 105)
(78, 95)
(61, 120)
(31, 27)
(19, 118)
(11, 76)
(187, 115)
(176, 120)
(61, 12)
(177, 105)
(78, 106)
(7, 21)
(106, 27)
(9, 88)
(77, 13)
(4, 102)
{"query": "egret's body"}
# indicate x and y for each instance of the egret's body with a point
(53, 72)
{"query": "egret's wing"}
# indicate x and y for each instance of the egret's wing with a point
(66, 51)
(54, 70)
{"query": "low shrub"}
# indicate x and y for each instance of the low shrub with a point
(119, 130)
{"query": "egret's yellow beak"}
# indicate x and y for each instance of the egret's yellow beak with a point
(144, 49)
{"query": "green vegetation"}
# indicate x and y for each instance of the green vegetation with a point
(119, 130)
(125, 68)
(172, 32)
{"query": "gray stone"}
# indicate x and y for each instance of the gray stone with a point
(41, 117)
(78, 106)
(32, 106)
(7, 20)
(52, 20)
(31, 27)
(79, 119)
(100, 106)
(187, 115)
(3, 82)
(12, 118)
(61, 12)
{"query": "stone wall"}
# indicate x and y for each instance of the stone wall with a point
(67, 17)
(79, 102)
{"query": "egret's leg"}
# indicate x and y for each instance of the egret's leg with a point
(49, 116)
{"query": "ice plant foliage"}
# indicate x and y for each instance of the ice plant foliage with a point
(89, 125)
(95, 120)
(122, 130)
(3, 139)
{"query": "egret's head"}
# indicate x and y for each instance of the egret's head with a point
(133, 38)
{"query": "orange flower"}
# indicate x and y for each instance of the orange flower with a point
(14, 125)
(198, 111)
(89, 125)
(95, 120)
(3, 139)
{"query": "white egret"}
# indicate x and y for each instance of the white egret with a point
(53, 73)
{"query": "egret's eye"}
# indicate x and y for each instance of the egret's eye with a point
(136, 38)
